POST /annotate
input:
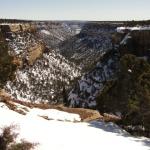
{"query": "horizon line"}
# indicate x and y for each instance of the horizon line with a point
(75, 20)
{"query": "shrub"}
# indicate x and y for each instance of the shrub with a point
(8, 140)
(7, 67)
(130, 93)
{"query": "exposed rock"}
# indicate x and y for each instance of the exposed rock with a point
(17, 27)
(35, 53)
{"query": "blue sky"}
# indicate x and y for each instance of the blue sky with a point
(75, 9)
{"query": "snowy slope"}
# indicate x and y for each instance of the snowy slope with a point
(53, 33)
(61, 135)
(92, 41)
(87, 50)
(45, 80)
(20, 42)
(93, 82)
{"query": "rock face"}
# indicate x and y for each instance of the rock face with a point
(17, 27)
(23, 42)
(35, 53)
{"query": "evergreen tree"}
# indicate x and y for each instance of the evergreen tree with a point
(7, 67)
(130, 93)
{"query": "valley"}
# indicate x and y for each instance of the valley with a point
(52, 55)
(93, 76)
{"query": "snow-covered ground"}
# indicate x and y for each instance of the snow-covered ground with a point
(128, 31)
(124, 41)
(136, 28)
(62, 135)
(42, 81)
(45, 32)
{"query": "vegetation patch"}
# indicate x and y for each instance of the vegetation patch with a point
(8, 140)
(129, 94)
(7, 66)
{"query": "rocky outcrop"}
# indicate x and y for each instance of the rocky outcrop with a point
(23, 43)
(17, 27)
(28, 27)
(34, 53)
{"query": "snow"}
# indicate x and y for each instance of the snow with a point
(3, 105)
(45, 32)
(127, 36)
(9, 23)
(43, 78)
(129, 70)
(59, 135)
(124, 41)
(54, 114)
(20, 42)
(93, 82)
(121, 29)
